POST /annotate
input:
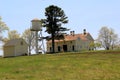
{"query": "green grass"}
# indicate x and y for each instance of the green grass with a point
(65, 66)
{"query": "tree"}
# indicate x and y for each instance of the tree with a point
(91, 46)
(94, 45)
(55, 17)
(28, 37)
(107, 37)
(3, 27)
(13, 35)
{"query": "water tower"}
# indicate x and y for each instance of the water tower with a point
(37, 28)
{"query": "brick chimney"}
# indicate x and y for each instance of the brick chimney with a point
(72, 33)
(84, 31)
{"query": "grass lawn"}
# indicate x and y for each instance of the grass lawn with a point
(65, 66)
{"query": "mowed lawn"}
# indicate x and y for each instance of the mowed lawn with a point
(64, 66)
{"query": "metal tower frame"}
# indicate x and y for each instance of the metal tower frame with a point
(39, 43)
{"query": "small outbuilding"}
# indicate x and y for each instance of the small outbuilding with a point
(15, 47)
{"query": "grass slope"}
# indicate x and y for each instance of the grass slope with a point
(69, 66)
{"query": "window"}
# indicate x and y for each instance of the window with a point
(59, 49)
(21, 43)
(78, 38)
(73, 48)
(80, 46)
(50, 49)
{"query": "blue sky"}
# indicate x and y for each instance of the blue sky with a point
(82, 14)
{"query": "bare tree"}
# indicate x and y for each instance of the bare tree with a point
(28, 37)
(107, 37)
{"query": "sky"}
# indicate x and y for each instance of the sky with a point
(82, 14)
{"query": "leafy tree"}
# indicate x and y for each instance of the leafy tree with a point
(94, 45)
(13, 35)
(28, 36)
(91, 46)
(107, 37)
(3, 27)
(97, 45)
(55, 17)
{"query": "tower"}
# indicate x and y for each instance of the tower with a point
(37, 29)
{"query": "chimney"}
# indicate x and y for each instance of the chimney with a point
(72, 33)
(84, 31)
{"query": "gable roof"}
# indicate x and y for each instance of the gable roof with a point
(83, 37)
(14, 42)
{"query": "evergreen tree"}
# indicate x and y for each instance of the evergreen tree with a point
(55, 17)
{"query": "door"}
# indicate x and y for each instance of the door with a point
(65, 48)
(73, 48)
(59, 49)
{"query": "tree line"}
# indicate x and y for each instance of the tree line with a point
(55, 17)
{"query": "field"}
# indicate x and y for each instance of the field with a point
(62, 66)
